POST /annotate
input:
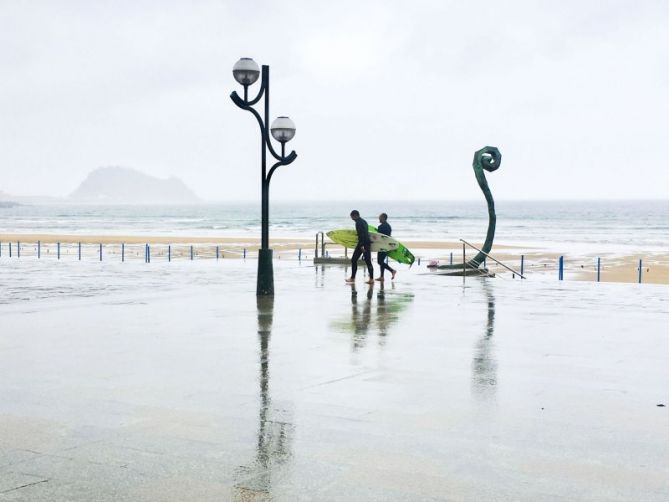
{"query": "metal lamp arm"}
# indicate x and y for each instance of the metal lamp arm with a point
(271, 149)
(282, 162)
(247, 105)
(244, 106)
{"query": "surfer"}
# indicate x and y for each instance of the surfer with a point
(363, 248)
(385, 229)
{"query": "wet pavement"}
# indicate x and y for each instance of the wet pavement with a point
(172, 382)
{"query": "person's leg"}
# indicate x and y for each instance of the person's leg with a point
(367, 254)
(385, 266)
(391, 270)
(381, 258)
(357, 252)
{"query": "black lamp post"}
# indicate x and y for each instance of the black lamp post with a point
(246, 72)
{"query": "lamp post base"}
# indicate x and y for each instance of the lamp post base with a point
(265, 273)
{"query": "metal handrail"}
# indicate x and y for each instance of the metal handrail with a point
(322, 242)
(493, 259)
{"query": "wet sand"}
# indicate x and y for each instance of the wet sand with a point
(172, 382)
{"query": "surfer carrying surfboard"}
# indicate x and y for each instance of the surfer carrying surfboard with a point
(363, 248)
(385, 229)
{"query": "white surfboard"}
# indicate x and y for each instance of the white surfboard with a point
(380, 243)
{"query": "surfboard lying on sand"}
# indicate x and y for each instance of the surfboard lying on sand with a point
(380, 243)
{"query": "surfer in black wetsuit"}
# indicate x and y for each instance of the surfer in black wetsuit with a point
(385, 229)
(363, 248)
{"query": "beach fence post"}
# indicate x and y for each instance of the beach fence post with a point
(79, 251)
(18, 249)
(599, 268)
(299, 254)
(451, 261)
(10, 249)
(418, 261)
(122, 252)
(217, 252)
(245, 253)
(58, 250)
(522, 264)
(146, 253)
(169, 252)
(39, 249)
(191, 252)
(101, 251)
(640, 269)
(561, 268)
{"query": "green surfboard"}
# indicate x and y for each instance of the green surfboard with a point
(395, 249)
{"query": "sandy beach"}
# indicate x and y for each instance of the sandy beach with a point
(619, 267)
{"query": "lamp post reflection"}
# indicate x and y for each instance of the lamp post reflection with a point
(275, 432)
(484, 364)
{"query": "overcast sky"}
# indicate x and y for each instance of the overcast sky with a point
(391, 99)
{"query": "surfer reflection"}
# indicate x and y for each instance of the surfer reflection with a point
(383, 319)
(389, 305)
(360, 318)
(484, 365)
(275, 430)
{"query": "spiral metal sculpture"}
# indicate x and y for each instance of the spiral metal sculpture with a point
(488, 159)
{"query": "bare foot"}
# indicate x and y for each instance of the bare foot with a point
(394, 274)
(380, 279)
(350, 280)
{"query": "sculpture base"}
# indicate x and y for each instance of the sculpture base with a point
(471, 272)
(265, 285)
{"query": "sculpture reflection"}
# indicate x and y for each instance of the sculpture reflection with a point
(484, 364)
(275, 430)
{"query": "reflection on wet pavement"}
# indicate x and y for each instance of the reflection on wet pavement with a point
(484, 364)
(275, 427)
(174, 382)
(369, 315)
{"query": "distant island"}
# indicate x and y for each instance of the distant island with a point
(114, 185)
(121, 185)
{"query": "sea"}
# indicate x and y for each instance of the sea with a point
(615, 226)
